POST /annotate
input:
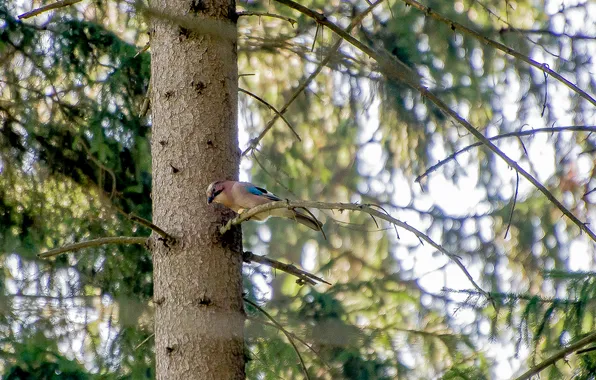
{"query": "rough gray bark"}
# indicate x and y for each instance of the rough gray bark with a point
(199, 314)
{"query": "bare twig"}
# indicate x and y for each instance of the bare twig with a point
(284, 331)
(314, 40)
(557, 356)
(272, 109)
(144, 49)
(306, 344)
(350, 206)
(254, 156)
(497, 45)
(48, 7)
(546, 31)
(397, 70)
(545, 93)
(387, 61)
(93, 243)
(582, 226)
(153, 227)
(144, 341)
(585, 350)
(318, 223)
(303, 276)
(514, 202)
(146, 101)
(528, 132)
(255, 142)
(267, 14)
(385, 211)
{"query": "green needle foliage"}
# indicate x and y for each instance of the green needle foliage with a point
(75, 160)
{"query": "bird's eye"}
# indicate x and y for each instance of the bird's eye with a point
(216, 192)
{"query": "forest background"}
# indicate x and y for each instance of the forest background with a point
(497, 281)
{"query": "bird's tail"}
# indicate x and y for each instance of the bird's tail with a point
(308, 221)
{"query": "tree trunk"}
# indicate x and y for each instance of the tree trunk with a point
(199, 315)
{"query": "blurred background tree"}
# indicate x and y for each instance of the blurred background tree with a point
(75, 160)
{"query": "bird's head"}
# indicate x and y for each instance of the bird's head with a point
(214, 189)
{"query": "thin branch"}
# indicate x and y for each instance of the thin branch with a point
(558, 356)
(385, 211)
(383, 58)
(397, 70)
(497, 45)
(314, 40)
(255, 142)
(514, 202)
(93, 243)
(48, 7)
(254, 156)
(272, 109)
(144, 49)
(528, 132)
(319, 224)
(433, 98)
(355, 207)
(306, 344)
(303, 276)
(506, 22)
(284, 331)
(585, 350)
(153, 227)
(546, 31)
(516, 297)
(144, 341)
(267, 14)
(146, 101)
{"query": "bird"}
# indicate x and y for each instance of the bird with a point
(241, 196)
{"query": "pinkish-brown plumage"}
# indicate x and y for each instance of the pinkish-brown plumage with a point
(241, 196)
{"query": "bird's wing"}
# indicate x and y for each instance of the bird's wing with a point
(262, 192)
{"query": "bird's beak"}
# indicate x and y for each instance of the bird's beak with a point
(210, 199)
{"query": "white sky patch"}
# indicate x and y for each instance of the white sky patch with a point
(309, 255)
(370, 159)
(461, 198)
(401, 195)
(580, 257)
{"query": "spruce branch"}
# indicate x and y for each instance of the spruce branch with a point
(48, 7)
(93, 243)
(527, 132)
(514, 298)
(144, 49)
(397, 70)
(355, 21)
(144, 341)
(306, 344)
(267, 14)
(561, 354)
(302, 275)
(285, 332)
(146, 102)
(585, 350)
(153, 227)
(246, 215)
(545, 32)
(279, 114)
(514, 203)
(497, 45)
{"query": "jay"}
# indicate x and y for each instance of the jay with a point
(241, 196)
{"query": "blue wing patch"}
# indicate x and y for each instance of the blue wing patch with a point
(262, 193)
